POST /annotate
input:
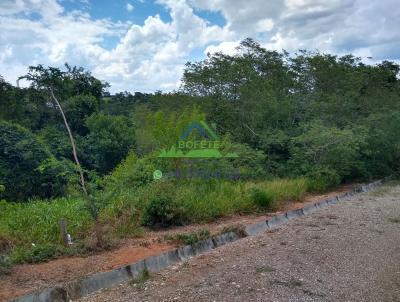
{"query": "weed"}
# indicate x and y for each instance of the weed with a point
(237, 229)
(265, 269)
(35, 254)
(5, 265)
(292, 283)
(263, 199)
(142, 277)
(189, 238)
(394, 219)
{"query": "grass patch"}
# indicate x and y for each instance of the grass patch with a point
(265, 269)
(38, 221)
(394, 219)
(188, 238)
(142, 277)
(29, 232)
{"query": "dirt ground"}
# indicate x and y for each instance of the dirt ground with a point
(25, 279)
(345, 252)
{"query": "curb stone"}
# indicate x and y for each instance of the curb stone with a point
(294, 214)
(87, 285)
(276, 220)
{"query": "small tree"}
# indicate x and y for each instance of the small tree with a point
(48, 80)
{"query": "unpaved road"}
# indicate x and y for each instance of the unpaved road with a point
(345, 252)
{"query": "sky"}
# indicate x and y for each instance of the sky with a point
(143, 45)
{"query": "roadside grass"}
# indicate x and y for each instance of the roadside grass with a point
(265, 269)
(385, 189)
(139, 281)
(394, 219)
(30, 231)
(188, 238)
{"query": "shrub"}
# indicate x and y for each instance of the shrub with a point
(263, 199)
(327, 148)
(37, 253)
(162, 210)
(132, 172)
(322, 179)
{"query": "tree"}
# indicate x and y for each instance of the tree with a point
(109, 140)
(49, 80)
(27, 168)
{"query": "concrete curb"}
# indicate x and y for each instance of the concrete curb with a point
(82, 287)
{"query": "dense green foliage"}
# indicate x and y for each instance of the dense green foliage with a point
(27, 168)
(300, 123)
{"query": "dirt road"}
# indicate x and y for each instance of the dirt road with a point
(345, 252)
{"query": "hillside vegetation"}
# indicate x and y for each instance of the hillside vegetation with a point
(299, 123)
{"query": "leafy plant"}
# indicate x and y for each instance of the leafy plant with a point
(189, 238)
(162, 210)
(35, 254)
(262, 199)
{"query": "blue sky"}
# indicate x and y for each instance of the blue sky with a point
(142, 45)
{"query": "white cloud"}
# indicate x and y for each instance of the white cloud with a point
(129, 7)
(151, 56)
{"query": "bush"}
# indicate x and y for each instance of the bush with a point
(262, 199)
(322, 179)
(162, 210)
(35, 254)
(321, 147)
(132, 172)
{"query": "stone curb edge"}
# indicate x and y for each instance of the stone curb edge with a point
(87, 285)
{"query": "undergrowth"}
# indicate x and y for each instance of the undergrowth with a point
(32, 229)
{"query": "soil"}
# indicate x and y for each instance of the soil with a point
(28, 278)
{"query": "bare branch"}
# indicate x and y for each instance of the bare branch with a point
(82, 178)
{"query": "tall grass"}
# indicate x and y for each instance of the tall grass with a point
(164, 202)
(202, 201)
(38, 221)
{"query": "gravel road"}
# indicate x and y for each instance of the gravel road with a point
(345, 252)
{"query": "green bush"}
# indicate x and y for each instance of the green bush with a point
(132, 172)
(322, 179)
(263, 199)
(37, 253)
(162, 210)
(327, 148)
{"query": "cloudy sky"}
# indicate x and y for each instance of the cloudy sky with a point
(142, 45)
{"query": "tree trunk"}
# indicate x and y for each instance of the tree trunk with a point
(82, 178)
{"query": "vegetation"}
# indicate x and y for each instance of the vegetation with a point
(189, 238)
(300, 123)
